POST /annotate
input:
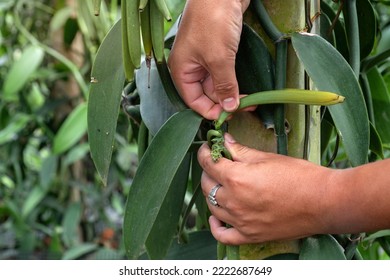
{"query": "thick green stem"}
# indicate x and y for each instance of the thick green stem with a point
(266, 22)
(352, 27)
(280, 83)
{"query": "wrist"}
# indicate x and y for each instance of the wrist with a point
(343, 210)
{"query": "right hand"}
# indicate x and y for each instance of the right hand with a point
(202, 60)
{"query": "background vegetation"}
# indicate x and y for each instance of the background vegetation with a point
(52, 202)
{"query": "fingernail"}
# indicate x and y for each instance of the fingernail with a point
(229, 138)
(229, 104)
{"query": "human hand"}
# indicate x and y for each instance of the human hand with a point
(265, 196)
(202, 60)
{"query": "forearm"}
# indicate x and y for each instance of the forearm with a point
(359, 199)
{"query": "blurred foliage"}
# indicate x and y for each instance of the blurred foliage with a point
(52, 202)
(52, 205)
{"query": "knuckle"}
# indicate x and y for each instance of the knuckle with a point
(224, 87)
(232, 178)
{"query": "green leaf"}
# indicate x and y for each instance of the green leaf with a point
(367, 27)
(104, 100)
(21, 71)
(107, 254)
(155, 174)
(155, 105)
(79, 251)
(200, 202)
(48, 171)
(326, 25)
(321, 247)
(71, 131)
(201, 246)
(384, 42)
(75, 154)
(338, 30)
(286, 257)
(330, 72)
(16, 124)
(381, 102)
(70, 224)
(376, 145)
(255, 70)
(167, 220)
(378, 234)
(59, 19)
(32, 200)
(254, 64)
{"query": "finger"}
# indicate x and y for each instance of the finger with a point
(189, 85)
(223, 74)
(228, 236)
(193, 95)
(217, 170)
(208, 88)
(208, 183)
(241, 153)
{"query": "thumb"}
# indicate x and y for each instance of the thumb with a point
(225, 84)
(241, 153)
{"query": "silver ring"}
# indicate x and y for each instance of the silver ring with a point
(212, 194)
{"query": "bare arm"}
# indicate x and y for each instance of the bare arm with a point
(360, 198)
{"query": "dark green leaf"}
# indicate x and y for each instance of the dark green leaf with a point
(200, 202)
(201, 246)
(168, 218)
(338, 30)
(21, 71)
(381, 102)
(367, 27)
(254, 64)
(155, 174)
(71, 131)
(104, 100)
(376, 145)
(326, 29)
(289, 256)
(321, 247)
(70, 31)
(255, 70)
(327, 129)
(330, 72)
